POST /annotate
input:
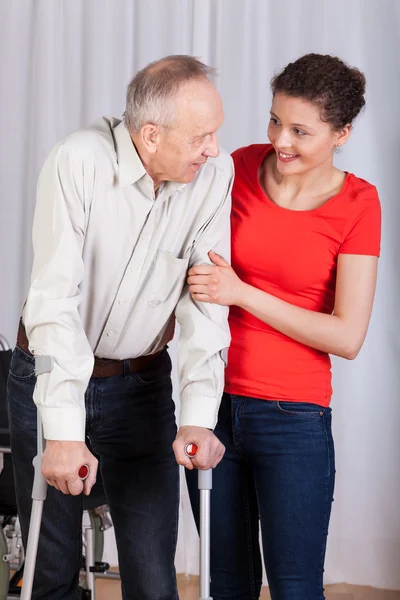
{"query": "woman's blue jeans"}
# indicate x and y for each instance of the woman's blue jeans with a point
(278, 471)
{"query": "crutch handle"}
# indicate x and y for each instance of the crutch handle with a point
(205, 486)
(191, 450)
(204, 475)
(83, 472)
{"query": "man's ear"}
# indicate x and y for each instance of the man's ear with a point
(150, 135)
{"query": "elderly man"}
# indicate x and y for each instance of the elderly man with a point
(124, 208)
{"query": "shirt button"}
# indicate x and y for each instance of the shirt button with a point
(110, 333)
(122, 301)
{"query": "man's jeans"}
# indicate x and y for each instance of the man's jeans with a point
(278, 469)
(130, 426)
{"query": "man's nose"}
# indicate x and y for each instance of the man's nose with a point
(212, 148)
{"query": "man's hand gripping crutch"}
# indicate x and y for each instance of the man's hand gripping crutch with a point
(53, 465)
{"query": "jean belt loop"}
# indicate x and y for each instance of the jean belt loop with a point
(126, 367)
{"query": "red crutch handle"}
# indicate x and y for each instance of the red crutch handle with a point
(83, 472)
(191, 450)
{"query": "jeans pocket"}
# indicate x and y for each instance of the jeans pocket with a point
(299, 409)
(156, 370)
(22, 365)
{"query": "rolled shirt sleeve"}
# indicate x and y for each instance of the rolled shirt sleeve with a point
(204, 337)
(51, 311)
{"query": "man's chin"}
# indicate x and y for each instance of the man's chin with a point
(188, 178)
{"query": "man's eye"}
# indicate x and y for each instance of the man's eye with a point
(197, 143)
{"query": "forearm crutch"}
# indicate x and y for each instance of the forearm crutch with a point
(43, 364)
(205, 487)
(39, 493)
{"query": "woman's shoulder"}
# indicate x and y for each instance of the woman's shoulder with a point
(359, 192)
(362, 231)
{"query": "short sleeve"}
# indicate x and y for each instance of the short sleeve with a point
(363, 233)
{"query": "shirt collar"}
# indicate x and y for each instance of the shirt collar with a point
(131, 168)
(177, 186)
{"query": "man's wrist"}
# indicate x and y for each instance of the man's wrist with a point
(199, 411)
(198, 426)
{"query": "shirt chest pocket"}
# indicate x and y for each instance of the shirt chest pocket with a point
(167, 278)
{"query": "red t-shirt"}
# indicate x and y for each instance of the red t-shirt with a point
(293, 256)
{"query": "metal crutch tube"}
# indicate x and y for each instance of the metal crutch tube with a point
(39, 493)
(43, 364)
(205, 487)
(90, 560)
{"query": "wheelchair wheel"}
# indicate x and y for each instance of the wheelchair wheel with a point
(84, 594)
(4, 567)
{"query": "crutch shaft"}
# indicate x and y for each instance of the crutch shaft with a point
(205, 485)
(31, 551)
(204, 544)
(39, 493)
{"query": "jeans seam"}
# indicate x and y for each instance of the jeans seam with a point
(28, 357)
(252, 579)
(310, 414)
(327, 446)
(138, 379)
(320, 572)
(235, 441)
(22, 377)
(93, 406)
(175, 540)
(242, 422)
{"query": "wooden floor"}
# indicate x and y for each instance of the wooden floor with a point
(188, 590)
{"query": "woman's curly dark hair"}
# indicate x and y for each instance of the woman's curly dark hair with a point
(328, 82)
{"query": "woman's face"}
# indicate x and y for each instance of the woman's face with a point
(302, 141)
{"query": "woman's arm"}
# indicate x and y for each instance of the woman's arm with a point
(341, 333)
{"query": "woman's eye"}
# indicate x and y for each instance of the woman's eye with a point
(299, 132)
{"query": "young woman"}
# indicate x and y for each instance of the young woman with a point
(305, 242)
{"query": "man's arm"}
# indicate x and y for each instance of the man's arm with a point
(51, 316)
(202, 347)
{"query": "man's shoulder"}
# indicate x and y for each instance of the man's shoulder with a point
(96, 139)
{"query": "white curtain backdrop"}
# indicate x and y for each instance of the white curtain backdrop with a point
(63, 63)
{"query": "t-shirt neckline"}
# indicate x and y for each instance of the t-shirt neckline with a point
(268, 150)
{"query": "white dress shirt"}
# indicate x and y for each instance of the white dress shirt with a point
(109, 273)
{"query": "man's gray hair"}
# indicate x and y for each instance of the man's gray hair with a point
(149, 96)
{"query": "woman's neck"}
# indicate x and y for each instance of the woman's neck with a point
(303, 191)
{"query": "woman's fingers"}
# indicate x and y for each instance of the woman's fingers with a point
(199, 289)
(202, 270)
(201, 279)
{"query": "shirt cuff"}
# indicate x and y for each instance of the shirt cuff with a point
(63, 424)
(200, 411)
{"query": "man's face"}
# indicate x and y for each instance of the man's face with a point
(186, 145)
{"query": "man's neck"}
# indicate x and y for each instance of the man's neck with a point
(146, 162)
